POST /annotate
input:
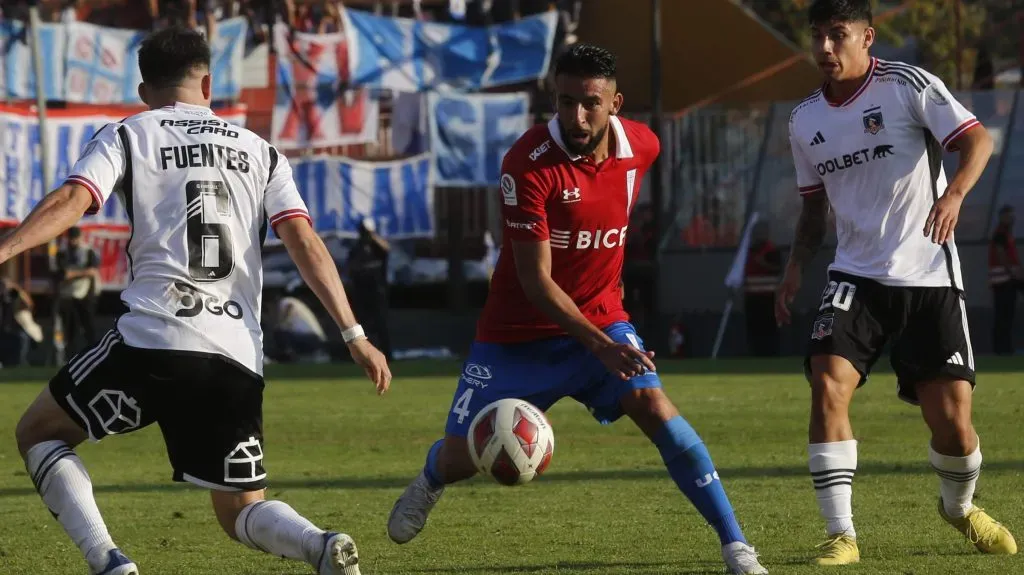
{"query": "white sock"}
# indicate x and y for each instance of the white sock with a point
(832, 468)
(957, 478)
(65, 487)
(275, 528)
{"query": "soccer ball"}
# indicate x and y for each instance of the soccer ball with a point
(511, 440)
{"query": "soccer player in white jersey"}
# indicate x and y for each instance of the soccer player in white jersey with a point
(869, 143)
(187, 353)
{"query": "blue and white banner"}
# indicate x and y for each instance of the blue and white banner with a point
(102, 64)
(408, 55)
(228, 57)
(470, 134)
(339, 193)
(312, 107)
(67, 132)
(17, 77)
(89, 64)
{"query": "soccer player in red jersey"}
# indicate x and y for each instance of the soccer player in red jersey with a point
(553, 325)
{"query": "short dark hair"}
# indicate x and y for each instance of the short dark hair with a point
(586, 61)
(1006, 209)
(169, 55)
(826, 11)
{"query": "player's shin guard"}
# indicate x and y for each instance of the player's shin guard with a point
(430, 470)
(833, 466)
(957, 478)
(62, 482)
(275, 528)
(690, 466)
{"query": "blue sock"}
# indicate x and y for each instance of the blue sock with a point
(430, 468)
(691, 468)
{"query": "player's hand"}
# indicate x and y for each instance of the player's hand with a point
(373, 363)
(785, 293)
(624, 360)
(942, 219)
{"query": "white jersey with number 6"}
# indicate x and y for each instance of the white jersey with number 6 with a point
(199, 193)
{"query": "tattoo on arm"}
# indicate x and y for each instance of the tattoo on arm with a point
(13, 247)
(810, 229)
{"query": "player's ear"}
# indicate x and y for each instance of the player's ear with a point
(207, 85)
(142, 92)
(616, 103)
(869, 37)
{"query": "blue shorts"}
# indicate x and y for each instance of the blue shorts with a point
(542, 372)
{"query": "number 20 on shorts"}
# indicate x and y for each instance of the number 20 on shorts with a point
(838, 295)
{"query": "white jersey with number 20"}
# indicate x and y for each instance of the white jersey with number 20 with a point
(199, 193)
(878, 156)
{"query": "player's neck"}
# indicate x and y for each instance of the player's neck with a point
(842, 90)
(172, 97)
(603, 149)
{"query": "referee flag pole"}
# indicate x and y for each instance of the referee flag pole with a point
(734, 281)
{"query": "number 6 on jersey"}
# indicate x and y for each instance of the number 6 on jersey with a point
(210, 252)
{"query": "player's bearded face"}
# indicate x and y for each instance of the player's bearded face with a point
(841, 49)
(584, 106)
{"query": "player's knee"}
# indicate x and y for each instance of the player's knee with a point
(227, 506)
(30, 431)
(649, 408)
(830, 394)
(954, 437)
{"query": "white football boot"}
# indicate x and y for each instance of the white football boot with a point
(741, 559)
(409, 514)
(339, 556)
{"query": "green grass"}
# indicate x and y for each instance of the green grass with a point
(341, 455)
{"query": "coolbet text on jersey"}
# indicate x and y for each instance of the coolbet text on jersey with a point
(893, 129)
(582, 209)
(196, 190)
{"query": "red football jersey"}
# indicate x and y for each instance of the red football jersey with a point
(582, 209)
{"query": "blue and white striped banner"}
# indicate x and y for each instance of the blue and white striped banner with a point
(339, 193)
(470, 134)
(408, 55)
(17, 79)
(102, 64)
(89, 64)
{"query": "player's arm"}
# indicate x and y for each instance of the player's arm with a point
(955, 128)
(291, 223)
(525, 214)
(54, 215)
(810, 227)
(533, 267)
(91, 181)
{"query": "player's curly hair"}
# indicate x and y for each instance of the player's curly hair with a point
(586, 61)
(825, 11)
(167, 56)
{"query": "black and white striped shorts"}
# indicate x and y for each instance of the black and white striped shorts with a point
(209, 408)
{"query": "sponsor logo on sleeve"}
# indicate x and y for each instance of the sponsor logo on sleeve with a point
(508, 190)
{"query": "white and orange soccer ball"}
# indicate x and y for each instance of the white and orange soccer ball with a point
(511, 440)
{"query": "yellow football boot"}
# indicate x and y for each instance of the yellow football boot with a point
(987, 534)
(840, 549)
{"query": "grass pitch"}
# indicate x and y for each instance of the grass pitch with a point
(341, 455)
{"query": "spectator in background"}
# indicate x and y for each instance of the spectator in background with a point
(78, 277)
(17, 327)
(1006, 277)
(367, 269)
(297, 332)
(761, 276)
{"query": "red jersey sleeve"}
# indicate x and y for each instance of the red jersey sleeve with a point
(523, 203)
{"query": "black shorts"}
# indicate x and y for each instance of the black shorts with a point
(926, 327)
(209, 409)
